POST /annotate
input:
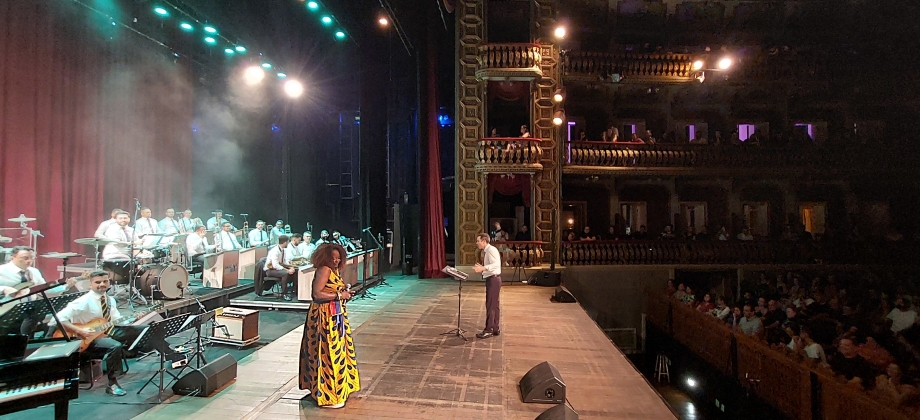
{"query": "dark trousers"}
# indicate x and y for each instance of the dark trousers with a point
(493, 311)
(285, 278)
(108, 349)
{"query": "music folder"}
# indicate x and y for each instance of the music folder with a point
(453, 272)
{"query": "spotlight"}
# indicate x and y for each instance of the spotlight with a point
(326, 20)
(312, 5)
(571, 222)
(210, 40)
(559, 95)
(559, 117)
(293, 88)
(383, 21)
(559, 32)
(266, 66)
(187, 27)
(210, 29)
(254, 75)
(725, 63)
(340, 34)
(698, 65)
(161, 11)
(229, 51)
(691, 382)
(281, 75)
(240, 49)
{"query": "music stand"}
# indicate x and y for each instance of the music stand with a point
(154, 336)
(460, 277)
(40, 309)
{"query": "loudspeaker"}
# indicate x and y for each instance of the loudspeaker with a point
(211, 377)
(558, 412)
(542, 384)
(548, 278)
(562, 295)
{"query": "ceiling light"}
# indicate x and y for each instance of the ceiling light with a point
(240, 49)
(161, 11)
(266, 66)
(293, 88)
(725, 63)
(340, 34)
(210, 29)
(559, 32)
(187, 27)
(312, 5)
(254, 75)
(326, 20)
(698, 65)
(210, 40)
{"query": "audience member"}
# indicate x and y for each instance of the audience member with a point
(750, 324)
(902, 316)
(706, 305)
(851, 365)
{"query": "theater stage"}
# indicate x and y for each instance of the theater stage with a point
(410, 371)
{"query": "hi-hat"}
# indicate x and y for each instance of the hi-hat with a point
(94, 241)
(4, 239)
(62, 255)
(22, 219)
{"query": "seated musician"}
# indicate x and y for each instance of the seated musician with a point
(225, 239)
(275, 266)
(121, 232)
(258, 236)
(296, 247)
(186, 223)
(308, 245)
(19, 270)
(217, 221)
(197, 245)
(277, 232)
(86, 309)
(337, 238)
(146, 224)
(168, 224)
(100, 231)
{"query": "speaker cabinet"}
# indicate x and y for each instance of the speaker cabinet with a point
(548, 278)
(558, 412)
(563, 295)
(211, 377)
(542, 384)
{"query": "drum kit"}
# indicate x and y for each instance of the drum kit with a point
(31, 234)
(155, 272)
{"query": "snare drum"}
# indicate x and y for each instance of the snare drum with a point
(163, 281)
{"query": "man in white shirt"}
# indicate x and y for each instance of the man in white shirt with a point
(225, 239)
(217, 221)
(258, 236)
(902, 317)
(197, 245)
(146, 225)
(295, 248)
(168, 224)
(345, 242)
(308, 245)
(491, 270)
(19, 270)
(277, 232)
(275, 266)
(186, 223)
(121, 232)
(100, 231)
(323, 238)
(91, 306)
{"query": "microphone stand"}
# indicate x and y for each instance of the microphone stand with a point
(383, 280)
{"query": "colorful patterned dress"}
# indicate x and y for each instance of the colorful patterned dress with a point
(327, 353)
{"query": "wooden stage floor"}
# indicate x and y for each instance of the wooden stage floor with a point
(409, 371)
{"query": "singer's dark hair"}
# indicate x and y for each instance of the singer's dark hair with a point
(122, 213)
(323, 256)
(18, 248)
(99, 273)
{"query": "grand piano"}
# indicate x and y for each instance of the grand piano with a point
(37, 372)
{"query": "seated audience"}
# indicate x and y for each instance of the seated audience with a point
(891, 387)
(721, 311)
(851, 365)
(706, 305)
(750, 324)
(902, 316)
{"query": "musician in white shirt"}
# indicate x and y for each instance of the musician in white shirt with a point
(168, 224)
(121, 232)
(196, 244)
(337, 238)
(258, 236)
(225, 239)
(277, 232)
(186, 223)
(19, 270)
(276, 266)
(146, 225)
(93, 305)
(100, 231)
(491, 270)
(307, 246)
(217, 221)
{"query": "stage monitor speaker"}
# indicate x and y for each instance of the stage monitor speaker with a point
(548, 278)
(563, 295)
(211, 377)
(558, 412)
(542, 384)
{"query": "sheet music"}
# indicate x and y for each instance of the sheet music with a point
(453, 272)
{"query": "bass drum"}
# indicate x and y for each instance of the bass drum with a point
(163, 281)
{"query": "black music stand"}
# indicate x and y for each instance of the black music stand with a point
(155, 337)
(37, 309)
(383, 280)
(460, 277)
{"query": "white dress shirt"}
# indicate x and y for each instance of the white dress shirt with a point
(308, 249)
(100, 231)
(187, 224)
(275, 256)
(168, 225)
(227, 241)
(197, 245)
(117, 251)
(146, 225)
(258, 237)
(10, 276)
(87, 308)
(275, 233)
(492, 261)
(213, 223)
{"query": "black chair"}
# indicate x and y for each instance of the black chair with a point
(262, 282)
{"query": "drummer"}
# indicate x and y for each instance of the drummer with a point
(123, 234)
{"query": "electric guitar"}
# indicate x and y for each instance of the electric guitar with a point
(29, 288)
(100, 326)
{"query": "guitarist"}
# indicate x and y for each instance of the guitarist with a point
(18, 272)
(91, 306)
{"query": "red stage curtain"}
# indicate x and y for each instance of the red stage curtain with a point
(87, 123)
(508, 185)
(432, 240)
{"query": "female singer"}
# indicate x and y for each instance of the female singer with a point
(327, 353)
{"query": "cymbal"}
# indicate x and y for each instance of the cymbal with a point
(147, 247)
(156, 234)
(62, 255)
(4, 239)
(94, 241)
(22, 219)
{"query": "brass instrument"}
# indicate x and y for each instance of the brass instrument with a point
(299, 261)
(197, 221)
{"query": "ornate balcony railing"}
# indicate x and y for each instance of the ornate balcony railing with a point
(521, 253)
(509, 154)
(509, 61)
(630, 67)
(782, 379)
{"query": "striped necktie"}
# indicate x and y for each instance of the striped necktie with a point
(105, 307)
